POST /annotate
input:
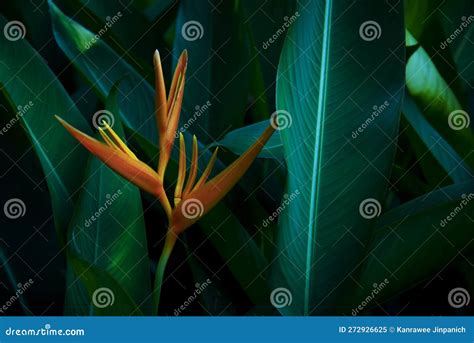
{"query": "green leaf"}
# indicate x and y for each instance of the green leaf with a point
(32, 88)
(11, 279)
(438, 102)
(107, 232)
(218, 68)
(441, 150)
(95, 283)
(239, 140)
(329, 81)
(445, 30)
(103, 67)
(416, 240)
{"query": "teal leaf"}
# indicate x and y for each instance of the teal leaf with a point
(31, 87)
(103, 67)
(239, 140)
(340, 81)
(416, 240)
(215, 36)
(107, 232)
(446, 156)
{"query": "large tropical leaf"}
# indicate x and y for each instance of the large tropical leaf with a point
(29, 85)
(413, 242)
(107, 232)
(438, 102)
(102, 66)
(339, 61)
(441, 150)
(219, 63)
(239, 140)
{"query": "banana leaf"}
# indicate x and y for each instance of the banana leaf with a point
(340, 81)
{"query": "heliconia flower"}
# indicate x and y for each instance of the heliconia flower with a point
(191, 200)
(199, 198)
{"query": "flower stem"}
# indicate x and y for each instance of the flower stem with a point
(160, 270)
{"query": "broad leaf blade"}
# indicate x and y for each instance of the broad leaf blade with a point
(239, 140)
(416, 240)
(438, 102)
(108, 233)
(219, 64)
(102, 66)
(441, 150)
(329, 81)
(29, 85)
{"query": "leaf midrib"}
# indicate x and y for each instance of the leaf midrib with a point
(317, 151)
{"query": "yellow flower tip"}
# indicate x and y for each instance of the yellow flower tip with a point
(181, 170)
(161, 106)
(208, 194)
(193, 169)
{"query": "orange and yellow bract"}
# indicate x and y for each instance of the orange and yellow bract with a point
(115, 154)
